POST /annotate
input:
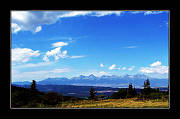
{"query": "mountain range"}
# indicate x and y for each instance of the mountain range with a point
(107, 81)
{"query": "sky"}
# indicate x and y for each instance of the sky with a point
(49, 44)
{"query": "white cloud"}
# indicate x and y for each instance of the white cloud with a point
(23, 54)
(148, 12)
(45, 58)
(38, 28)
(158, 69)
(56, 53)
(105, 13)
(131, 68)
(136, 12)
(152, 12)
(15, 27)
(74, 14)
(64, 54)
(101, 65)
(112, 67)
(59, 44)
(53, 52)
(74, 57)
(33, 20)
(20, 15)
(155, 67)
(158, 63)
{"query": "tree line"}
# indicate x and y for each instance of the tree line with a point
(146, 93)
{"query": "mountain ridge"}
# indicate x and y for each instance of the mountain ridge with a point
(104, 80)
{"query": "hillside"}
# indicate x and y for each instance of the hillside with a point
(25, 97)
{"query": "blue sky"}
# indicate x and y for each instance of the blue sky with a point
(71, 43)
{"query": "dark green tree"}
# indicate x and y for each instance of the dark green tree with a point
(131, 91)
(122, 93)
(33, 85)
(92, 93)
(148, 83)
(147, 89)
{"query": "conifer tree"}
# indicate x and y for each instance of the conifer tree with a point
(92, 93)
(131, 92)
(33, 85)
(147, 88)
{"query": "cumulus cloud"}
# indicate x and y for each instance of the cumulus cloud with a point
(53, 52)
(23, 54)
(56, 53)
(158, 69)
(32, 20)
(38, 28)
(112, 67)
(59, 44)
(15, 27)
(101, 65)
(155, 67)
(158, 63)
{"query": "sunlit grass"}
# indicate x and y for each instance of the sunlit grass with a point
(116, 103)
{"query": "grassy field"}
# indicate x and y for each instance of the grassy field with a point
(116, 103)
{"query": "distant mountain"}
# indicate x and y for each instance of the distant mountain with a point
(22, 83)
(108, 81)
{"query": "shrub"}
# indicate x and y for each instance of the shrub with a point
(122, 93)
(52, 98)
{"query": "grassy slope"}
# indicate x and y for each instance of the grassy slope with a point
(116, 103)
